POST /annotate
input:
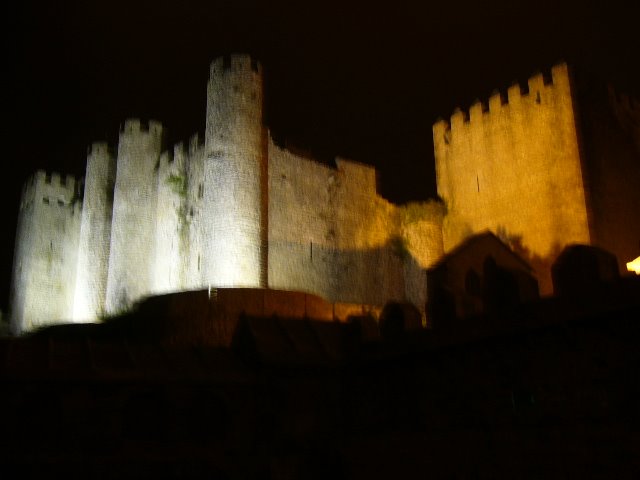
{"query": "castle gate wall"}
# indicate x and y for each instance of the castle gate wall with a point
(95, 234)
(134, 215)
(515, 169)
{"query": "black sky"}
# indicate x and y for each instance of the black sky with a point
(357, 79)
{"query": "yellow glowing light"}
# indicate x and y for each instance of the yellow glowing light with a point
(634, 266)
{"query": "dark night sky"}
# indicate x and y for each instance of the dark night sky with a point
(356, 79)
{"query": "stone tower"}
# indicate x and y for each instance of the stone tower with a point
(234, 204)
(515, 168)
(171, 236)
(133, 229)
(45, 259)
(95, 234)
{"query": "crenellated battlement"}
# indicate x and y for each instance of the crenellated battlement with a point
(535, 90)
(54, 180)
(99, 148)
(235, 63)
(476, 110)
(233, 207)
(496, 101)
(52, 189)
(458, 118)
(134, 126)
(538, 81)
(172, 159)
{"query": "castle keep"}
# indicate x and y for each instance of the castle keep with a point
(235, 209)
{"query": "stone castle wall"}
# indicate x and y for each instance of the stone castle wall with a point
(331, 234)
(171, 223)
(234, 210)
(195, 240)
(235, 175)
(514, 168)
(22, 260)
(134, 215)
(421, 231)
(421, 237)
(238, 210)
(46, 251)
(95, 234)
(368, 267)
(301, 224)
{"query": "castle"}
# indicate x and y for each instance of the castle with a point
(238, 210)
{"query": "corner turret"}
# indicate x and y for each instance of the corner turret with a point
(45, 258)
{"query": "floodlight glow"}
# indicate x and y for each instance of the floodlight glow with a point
(634, 266)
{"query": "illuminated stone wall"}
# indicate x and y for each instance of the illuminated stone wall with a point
(133, 231)
(514, 168)
(537, 167)
(331, 234)
(421, 237)
(196, 240)
(234, 175)
(45, 259)
(301, 223)
(369, 266)
(235, 211)
(95, 234)
(171, 223)
(421, 231)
